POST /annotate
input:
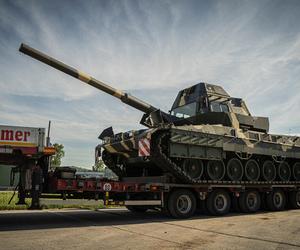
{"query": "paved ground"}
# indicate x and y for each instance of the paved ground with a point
(120, 229)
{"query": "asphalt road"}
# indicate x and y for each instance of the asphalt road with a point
(120, 229)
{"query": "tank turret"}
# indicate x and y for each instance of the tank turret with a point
(206, 103)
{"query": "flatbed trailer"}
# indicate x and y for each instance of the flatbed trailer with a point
(181, 145)
(139, 194)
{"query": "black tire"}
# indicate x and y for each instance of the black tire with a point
(269, 171)
(284, 171)
(218, 202)
(296, 171)
(250, 201)
(294, 199)
(137, 209)
(276, 200)
(182, 204)
(252, 171)
(235, 170)
(193, 168)
(216, 170)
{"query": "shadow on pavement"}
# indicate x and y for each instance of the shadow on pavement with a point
(46, 219)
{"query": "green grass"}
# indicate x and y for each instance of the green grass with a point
(4, 199)
(6, 196)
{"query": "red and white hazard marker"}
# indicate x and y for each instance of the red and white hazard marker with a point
(144, 147)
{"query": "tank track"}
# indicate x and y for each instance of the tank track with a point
(162, 160)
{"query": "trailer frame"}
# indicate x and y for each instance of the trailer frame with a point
(155, 192)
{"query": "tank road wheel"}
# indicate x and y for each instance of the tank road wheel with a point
(216, 170)
(252, 170)
(269, 171)
(296, 171)
(193, 168)
(276, 200)
(250, 201)
(218, 202)
(284, 171)
(294, 199)
(235, 169)
(181, 204)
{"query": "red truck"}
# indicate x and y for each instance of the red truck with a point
(29, 150)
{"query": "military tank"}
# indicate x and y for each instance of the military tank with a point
(208, 136)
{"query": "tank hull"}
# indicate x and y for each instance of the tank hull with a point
(178, 150)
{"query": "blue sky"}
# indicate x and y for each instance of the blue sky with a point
(151, 49)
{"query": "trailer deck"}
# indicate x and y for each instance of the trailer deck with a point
(142, 193)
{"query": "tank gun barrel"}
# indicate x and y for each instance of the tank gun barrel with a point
(124, 97)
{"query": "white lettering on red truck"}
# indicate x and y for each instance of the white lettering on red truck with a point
(11, 135)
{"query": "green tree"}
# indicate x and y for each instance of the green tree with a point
(99, 166)
(60, 153)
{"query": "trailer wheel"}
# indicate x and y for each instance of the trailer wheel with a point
(276, 200)
(294, 199)
(137, 209)
(218, 202)
(250, 201)
(181, 203)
